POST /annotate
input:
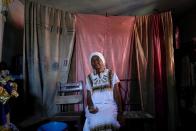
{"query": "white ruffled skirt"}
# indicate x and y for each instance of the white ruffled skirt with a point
(107, 115)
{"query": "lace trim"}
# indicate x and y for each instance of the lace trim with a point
(102, 88)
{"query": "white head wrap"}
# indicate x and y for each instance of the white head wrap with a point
(100, 55)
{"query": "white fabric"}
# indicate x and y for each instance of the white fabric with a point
(104, 100)
(100, 55)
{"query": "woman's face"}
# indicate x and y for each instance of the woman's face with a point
(97, 63)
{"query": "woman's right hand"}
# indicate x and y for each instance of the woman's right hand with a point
(93, 110)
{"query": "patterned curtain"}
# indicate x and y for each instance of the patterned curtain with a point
(48, 48)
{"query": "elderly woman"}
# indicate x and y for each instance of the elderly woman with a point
(103, 103)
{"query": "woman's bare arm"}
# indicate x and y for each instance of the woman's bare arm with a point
(89, 99)
(117, 97)
(90, 104)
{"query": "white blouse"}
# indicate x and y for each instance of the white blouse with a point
(102, 96)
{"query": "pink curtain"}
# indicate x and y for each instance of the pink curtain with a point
(101, 33)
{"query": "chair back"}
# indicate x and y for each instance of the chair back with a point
(70, 96)
(130, 94)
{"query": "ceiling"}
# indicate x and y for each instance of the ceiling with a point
(121, 7)
(109, 7)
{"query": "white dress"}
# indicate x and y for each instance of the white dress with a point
(102, 97)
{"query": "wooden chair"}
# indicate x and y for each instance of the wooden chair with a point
(135, 118)
(69, 97)
(128, 90)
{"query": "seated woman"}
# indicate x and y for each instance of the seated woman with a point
(103, 104)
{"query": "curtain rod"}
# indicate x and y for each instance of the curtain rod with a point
(166, 10)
